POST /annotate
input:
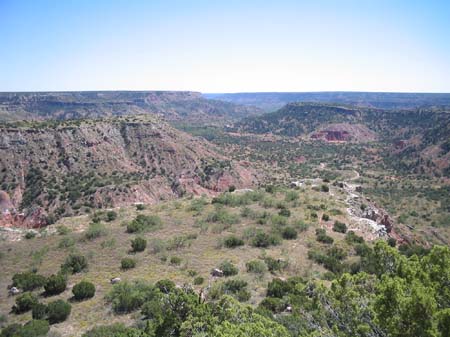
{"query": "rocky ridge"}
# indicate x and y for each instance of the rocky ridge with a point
(67, 168)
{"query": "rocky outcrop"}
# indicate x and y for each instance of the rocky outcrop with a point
(332, 136)
(66, 168)
(344, 132)
(34, 217)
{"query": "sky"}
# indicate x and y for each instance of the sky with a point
(225, 46)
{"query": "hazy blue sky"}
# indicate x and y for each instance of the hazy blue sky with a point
(225, 46)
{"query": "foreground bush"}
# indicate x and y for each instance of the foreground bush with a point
(264, 240)
(39, 311)
(115, 330)
(144, 223)
(339, 227)
(322, 236)
(34, 328)
(128, 263)
(289, 233)
(83, 290)
(58, 311)
(138, 244)
(95, 231)
(228, 268)
(256, 267)
(275, 265)
(126, 297)
(28, 281)
(233, 241)
(55, 284)
(25, 302)
(75, 263)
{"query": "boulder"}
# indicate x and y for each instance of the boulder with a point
(115, 280)
(217, 272)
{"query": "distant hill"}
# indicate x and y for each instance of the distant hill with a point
(270, 101)
(417, 139)
(173, 105)
(72, 166)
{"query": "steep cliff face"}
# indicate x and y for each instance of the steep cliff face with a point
(173, 105)
(69, 167)
(345, 132)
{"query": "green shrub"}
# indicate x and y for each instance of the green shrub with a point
(232, 241)
(339, 227)
(325, 217)
(291, 196)
(273, 304)
(278, 220)
(289, 233)
(199, 280)
(111, 216)
(321, 236)
(144, 223)
(140, 207)
(115, 330)
(270, 189)
(157, 245)
(329, 261)
(66, 242)
(222, 216)
(63, 230)
(58, 311)
(274, 265)
(138, 244)
(351, 237)
(75, 263)
(25, 302)
(165, 286)
(28, 281)
(324, 188)
(127, 263)
(228, 268)
(278, 288)
(30, 235)
(39, 311)
(392, 242)
(247, 212)
(264, 240)
(180, 241)
(236, 288)
(33, 328)
(284, 212)
(95, 231)
(256, 267)
(55, 284)
(126, 297)
(197, 205)
(83, 290)
(300, 225)
(192, 272)
(175, 260)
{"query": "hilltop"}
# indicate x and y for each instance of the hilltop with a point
(270, 101)
(173, 105)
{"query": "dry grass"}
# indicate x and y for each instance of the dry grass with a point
(201, 255)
